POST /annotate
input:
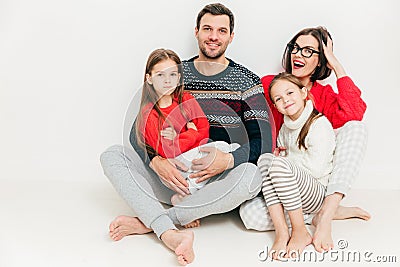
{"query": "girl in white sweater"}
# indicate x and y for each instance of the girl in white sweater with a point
(296, 175)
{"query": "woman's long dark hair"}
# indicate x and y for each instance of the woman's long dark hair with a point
(321, 71)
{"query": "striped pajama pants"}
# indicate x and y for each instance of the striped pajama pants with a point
(286, 183)
(351, 142)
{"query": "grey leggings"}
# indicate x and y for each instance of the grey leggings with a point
(143, 191)
(351, 142)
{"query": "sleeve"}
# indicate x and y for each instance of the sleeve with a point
(146, 157)
(321, 142)
(151, 135)
(280, 140)
(197, 116)
(344, 106)
(187, 139)
(256, 121)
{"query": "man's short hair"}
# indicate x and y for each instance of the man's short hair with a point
(216, 9)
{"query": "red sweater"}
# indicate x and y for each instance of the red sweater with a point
(185, 139)
(339, 108)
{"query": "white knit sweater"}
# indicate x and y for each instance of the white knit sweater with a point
(320, 143)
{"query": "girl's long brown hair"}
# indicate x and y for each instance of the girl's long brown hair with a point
(149, 95)
(315, 114)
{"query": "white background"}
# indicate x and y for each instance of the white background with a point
(69, 70)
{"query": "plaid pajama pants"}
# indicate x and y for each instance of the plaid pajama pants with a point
(351, 142)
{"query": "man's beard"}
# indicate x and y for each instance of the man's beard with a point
(204, 51)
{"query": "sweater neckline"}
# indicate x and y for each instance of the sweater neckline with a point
(296, 124)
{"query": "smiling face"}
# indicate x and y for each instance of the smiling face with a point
(288, 98)
(164, 77)
(213, 36)
(303, 67)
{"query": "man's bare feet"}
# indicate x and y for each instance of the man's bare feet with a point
(278, 249)
(175, 200)
(181, 242)
(126, 225)
(298, 241)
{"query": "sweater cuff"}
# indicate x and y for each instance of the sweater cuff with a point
(344, 81)
(239, 157)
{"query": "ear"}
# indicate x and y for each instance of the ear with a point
(196, 32)
(304, 92)
(148, 79)
(231, 38)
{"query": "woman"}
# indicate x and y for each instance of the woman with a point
(309, 56)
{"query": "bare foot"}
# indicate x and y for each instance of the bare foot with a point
(195, 223)
(297, 243)
(126, 225)
(278, 249)
(343, 213)
(175, 200)
(322, 239)
(181, 242)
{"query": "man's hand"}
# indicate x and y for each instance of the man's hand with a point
(167, 170)
(214, 163)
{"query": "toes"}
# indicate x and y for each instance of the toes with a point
(318, 246)
(117, 234)
(182, 260)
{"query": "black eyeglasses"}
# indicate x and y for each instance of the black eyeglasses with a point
(305, 51)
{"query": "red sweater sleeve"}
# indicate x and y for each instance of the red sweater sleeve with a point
(151, 133)
(189, 138)
(277, 116)
(341, 107)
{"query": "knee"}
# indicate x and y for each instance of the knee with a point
(352, 132)
(358, 127)
(110, 154)
(265, 159)
(254, 215)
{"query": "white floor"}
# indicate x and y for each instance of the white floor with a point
(53, 223)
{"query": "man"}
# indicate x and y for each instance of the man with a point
(232, 99)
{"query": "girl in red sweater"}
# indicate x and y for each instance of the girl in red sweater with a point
(170, 122)
(309, 56)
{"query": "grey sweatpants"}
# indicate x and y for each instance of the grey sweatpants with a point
(351, 142)
(143, 191)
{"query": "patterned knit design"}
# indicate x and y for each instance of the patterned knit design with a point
(234, 103)
(228, 96)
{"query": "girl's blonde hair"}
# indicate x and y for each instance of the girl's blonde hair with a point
(315, 114)
(149, 96)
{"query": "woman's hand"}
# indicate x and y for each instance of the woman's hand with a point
(333, 63)
(168, 133)
(280, 151)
